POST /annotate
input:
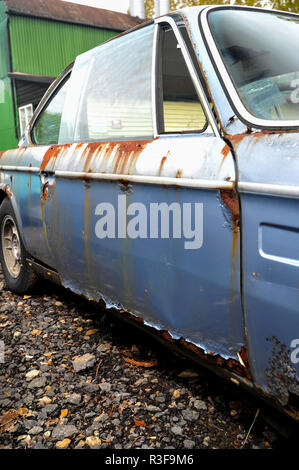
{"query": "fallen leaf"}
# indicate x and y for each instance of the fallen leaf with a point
(23, 411)
(139, 422)
(188, 373)
(125, 404)
(63, 413)
(140, 363)
(51, 421)
(8, 419)
(91, 332)
(36, 332)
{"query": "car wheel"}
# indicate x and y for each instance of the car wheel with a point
(18, 275)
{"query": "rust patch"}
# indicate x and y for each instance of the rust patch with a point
(89, 152)
(231, 200)
(212, 359)
(216, 359)
(225, 151)
(236, 139)
(126, 154)
(45, 191)
(51, 154)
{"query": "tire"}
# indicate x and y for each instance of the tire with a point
(17, 273)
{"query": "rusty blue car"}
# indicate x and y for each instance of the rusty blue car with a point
(159, 174)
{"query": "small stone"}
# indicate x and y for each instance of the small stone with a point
(44, 401)
(74, 398)
(206, 441)
(176, 430)
(62, 431)
(91, 388)
(105, 387)
(49, 409)
(16, 334)
(32, 374)
(188, 444)
(35, 430)
(37, 383)
(84, 362)
(176, 394)
(47, 434)
(93, 441)
(63, 444)
(190, 415)
(200, 405)
(153, 409)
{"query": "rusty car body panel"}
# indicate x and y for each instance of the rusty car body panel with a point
(233, 302)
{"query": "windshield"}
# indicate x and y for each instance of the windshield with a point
(260, 51)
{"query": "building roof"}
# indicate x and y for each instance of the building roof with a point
(72, 13)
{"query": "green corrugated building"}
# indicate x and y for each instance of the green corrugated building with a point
(38, 39)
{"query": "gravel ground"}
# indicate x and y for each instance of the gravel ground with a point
(76, 377)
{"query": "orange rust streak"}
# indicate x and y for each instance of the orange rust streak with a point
(237, 138)
(127, 154)
(230, 199)
(163, 160)
(225, 151)
(52, 153)
(45, 191)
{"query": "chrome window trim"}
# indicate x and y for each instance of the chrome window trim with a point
(157, 180)
(228, 83)
(268, 189)
(29, 169)
(154, 80)
(193, 74)
(49, 94)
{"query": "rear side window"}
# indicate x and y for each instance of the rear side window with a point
(47, 127)
(114, 101)
(180, 107)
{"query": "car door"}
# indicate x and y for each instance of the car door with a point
(137, 132)
(34, 185)
(270, 227)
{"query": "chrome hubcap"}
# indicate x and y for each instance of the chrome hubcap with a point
(11, 246)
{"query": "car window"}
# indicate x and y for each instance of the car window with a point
(110, 96)
(182, 110)
(47, 127)
(257, 49)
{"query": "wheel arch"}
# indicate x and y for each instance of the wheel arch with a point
(7, 193)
